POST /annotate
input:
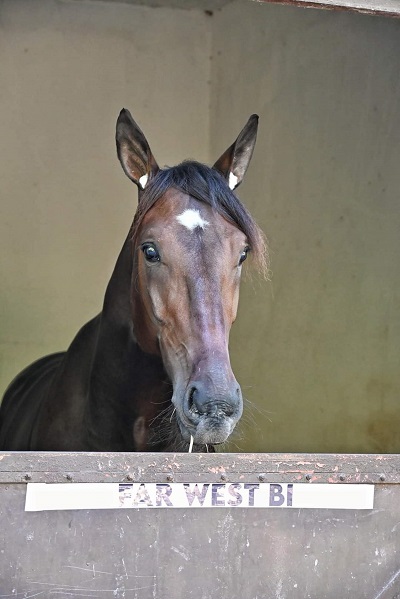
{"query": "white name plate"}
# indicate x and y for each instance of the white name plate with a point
(86, 496)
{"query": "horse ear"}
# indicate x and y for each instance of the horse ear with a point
(133, 151)
(234, 162)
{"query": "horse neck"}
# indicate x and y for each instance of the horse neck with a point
(116, 338)
(125, 382)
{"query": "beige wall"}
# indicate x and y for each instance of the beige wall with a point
(316, 349)
(66, 70)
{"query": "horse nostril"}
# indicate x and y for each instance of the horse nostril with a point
(202, 401)
(228, 410)
(192, 401)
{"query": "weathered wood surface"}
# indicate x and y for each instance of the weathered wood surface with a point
(205, 553)
(23, 467)
(373, 7)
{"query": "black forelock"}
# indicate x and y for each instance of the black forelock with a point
(206, 185)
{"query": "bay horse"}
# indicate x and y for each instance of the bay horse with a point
(152, 371)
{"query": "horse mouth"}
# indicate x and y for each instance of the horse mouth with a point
(208, 430)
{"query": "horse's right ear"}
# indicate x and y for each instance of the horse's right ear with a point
(133, 151)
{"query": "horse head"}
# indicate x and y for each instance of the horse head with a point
(189, 239)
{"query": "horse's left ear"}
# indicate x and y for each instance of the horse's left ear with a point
(134, 151)
(234, 162)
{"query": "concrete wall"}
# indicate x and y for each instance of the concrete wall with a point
(316, 349)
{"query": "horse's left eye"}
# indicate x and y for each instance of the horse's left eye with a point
(150, 253)
(243, 256)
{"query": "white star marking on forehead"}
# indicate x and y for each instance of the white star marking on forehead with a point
(191, 219)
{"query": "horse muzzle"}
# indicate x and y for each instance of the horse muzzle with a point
(209, 414)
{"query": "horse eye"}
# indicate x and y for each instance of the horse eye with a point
(243, 256)
(150, 253)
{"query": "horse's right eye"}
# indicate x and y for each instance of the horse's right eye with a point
(150, 253)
